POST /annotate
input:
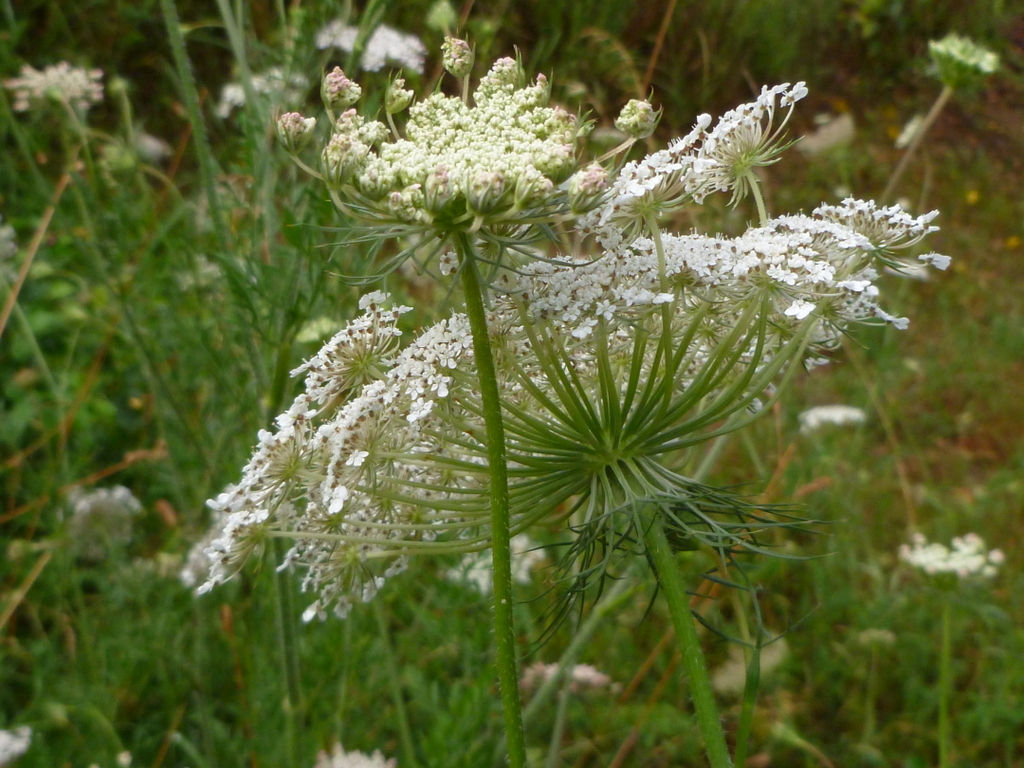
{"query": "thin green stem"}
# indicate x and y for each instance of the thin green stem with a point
(501, 558)
(755, 190)
(945, 682)
(404, 731)
(555, 746)
(671, 583)
(207, 164)
(289, 655)
(944, 96)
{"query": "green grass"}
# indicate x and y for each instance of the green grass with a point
(160, 315)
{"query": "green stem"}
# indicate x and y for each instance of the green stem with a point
(207, 164)
(501, 558)
(667, 571)
(755, 190)
(945, 683)
(922, 129)
(289, 653)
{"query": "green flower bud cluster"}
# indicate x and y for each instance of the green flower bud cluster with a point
(498, 156)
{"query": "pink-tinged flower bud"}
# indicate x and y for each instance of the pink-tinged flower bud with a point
(457, 56)
(398, 97)
(338, 91)
(586, 187)
(485, 190)
(294, 130)
(637, 119)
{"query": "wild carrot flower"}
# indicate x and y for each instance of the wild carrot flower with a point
(580, 676)
(339, 758)
(814, 418)
(614, 362)
(79, 88)
(966, 559)
(100, 519)
(275, 84)
(475, 568)
(385, 46)
(501, 160)
(960, 62)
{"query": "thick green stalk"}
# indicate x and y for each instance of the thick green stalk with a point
(703, 697)
(945, 682)
(501, 558)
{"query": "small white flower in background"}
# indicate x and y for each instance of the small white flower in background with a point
(817, 417)
(385, 45)
(339, 758)
(731, 677)
(14, 744)
(966, 559)
(833, 131)
(909, 130)
(78, 88)
(280, 87)
(151, 149)
(100, 519)
(960, 62)
(475, 568)
(124, 759)
(580, 676)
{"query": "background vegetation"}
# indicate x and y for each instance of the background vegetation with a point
(167, 298)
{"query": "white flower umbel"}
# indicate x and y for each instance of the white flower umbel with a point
(276, 85)
(100, 520)
(706, 160)
(339, 758)
(967, 558)
(76, 87)
(494, 158)
(385, 46)
(475, 568)
(581, 386)
(840, 415)
(580, 676)
(960, 62)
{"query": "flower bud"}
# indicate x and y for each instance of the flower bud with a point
(485, 190)
(457, 56)
(531, 185)
(337, 91)
(294, 130)
(503, 72)
(408, 204)
(586, 186)
(438, 189)
(637, 119)
(397, 97)
(342, 156)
